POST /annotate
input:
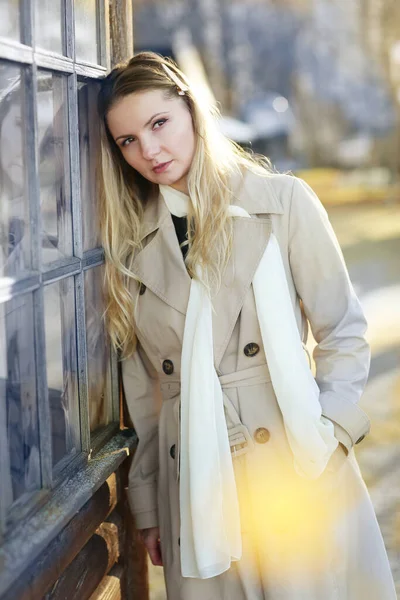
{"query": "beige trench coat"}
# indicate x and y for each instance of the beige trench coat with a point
(301, 540)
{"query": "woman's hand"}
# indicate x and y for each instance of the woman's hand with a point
(151, 539)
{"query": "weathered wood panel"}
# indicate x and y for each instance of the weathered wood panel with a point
(49, 566)
(121, 29)
(110, 587)
(85, 573)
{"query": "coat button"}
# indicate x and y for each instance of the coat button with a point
(251, 349)
(261, 435)
(360, 439)
(172, 451)
(142, 289)
(168, 367)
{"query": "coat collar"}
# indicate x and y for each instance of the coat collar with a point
(257, 195)
(160, 265)
(254, 193)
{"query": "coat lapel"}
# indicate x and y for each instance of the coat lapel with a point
(160, 265)
(250, 238)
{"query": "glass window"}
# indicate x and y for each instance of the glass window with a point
(9, 19)
(61, 362)
(86, 47)
(18, 396)
(14, 215)
(89, 141)
(48, 25)
(98, 351)
(44, 198)
(54, 171)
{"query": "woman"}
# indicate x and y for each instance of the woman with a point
(244, 483)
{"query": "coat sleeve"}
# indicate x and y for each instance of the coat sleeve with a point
(342, 354)
(141, 387)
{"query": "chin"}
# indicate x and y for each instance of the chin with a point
(169, 179)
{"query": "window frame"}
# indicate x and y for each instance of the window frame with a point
(26, 56)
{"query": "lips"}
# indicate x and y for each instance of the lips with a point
(162, 167)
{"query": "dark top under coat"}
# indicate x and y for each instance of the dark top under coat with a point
(180, 224)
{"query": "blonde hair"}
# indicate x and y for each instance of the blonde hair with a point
(124, 192)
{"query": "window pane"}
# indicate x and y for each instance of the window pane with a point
(54, 171)
(62, 366)
(98, 351)
(89, 142)
(21, 463)
(9, 19)
(86, 30)
(48, 25)
(14, 215)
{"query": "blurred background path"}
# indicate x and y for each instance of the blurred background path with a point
(370, 239)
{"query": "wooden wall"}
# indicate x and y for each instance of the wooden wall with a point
(97, 556)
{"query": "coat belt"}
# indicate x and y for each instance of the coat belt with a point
(240, 439)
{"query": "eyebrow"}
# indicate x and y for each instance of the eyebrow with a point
(126, 135)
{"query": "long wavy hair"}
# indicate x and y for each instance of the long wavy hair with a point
(124, 192)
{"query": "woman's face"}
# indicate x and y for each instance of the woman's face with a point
(155, 135)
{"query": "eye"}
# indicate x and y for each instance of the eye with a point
(159, 123)
(127, 141)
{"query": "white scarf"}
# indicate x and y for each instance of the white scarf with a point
(210, 524)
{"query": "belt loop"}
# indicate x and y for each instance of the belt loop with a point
(240, 440)
(239, 436)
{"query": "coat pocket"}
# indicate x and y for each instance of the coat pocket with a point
(337, 460)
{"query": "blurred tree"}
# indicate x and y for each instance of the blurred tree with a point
(381, 25)
(341, 84)
(208, 16)
(334, 60)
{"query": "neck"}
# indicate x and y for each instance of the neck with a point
(180, 186)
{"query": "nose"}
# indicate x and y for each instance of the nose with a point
(150, 148)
